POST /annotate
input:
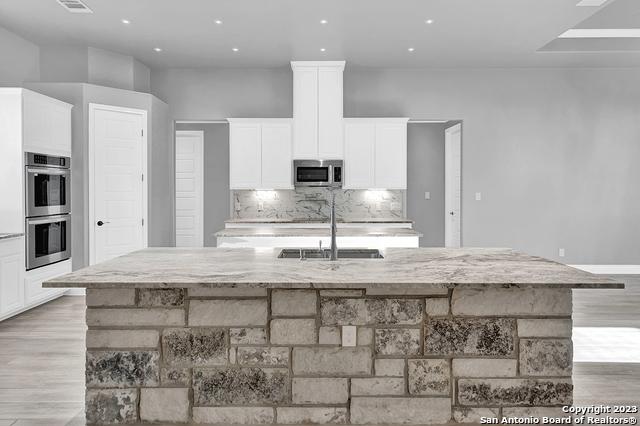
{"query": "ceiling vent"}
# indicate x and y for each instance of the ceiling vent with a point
(75, 6)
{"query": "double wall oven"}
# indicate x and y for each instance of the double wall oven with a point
(47, 209)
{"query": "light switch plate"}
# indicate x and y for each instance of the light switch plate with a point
(561, 252)
(478, 196)
(349, 335)
(427, 195)
(260, 206)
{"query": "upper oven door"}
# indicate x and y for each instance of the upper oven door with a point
(48, 240)
(48, 191)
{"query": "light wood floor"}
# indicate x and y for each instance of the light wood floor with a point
(42, 358)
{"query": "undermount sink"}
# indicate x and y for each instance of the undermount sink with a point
(324, 254)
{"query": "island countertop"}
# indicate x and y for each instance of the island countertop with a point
(401, 268)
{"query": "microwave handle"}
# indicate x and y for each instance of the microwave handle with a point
(47, 171)
(49, 219)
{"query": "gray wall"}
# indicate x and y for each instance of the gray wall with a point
(64, 64)
(554, 151)
(20, 60)
(425, 173)
(216, 177)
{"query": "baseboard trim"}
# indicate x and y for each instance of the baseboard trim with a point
(610, 269)
(75, 292)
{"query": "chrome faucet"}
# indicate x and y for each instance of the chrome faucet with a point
(334, 246)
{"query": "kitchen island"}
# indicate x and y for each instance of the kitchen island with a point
(422, 336)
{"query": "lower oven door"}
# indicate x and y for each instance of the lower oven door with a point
(48, 240)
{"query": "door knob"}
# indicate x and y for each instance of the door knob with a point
(100, 223)
(451, 213)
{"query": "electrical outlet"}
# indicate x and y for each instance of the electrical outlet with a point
(427, 195)
(349, 336)
(478, 196)
(260, 206)
(561, 252)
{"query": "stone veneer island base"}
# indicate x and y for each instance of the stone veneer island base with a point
(212, 336)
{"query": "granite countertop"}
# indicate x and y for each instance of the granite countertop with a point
(277, 220)
(267, 231)
(401, 269)
(4, 236)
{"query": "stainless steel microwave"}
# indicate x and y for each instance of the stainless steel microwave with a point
(48, 185)
(327, 173)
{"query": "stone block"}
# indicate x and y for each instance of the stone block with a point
(311, 415)
(330, 361)
(175, 376)
(511, 301)
(341, 293)
(544, 327)
(320, 391)
(233, 355)
(470, 336)
(293, 303)
(474, 367)
(263, 356)
(151, 297)
(437, 307)
(164, 404)
(396, 410)
(227, 292)
(546, 357)
(345, 311)
(473, 415)
(397, 341)
(122, 339)
(194, 346)
(233, 415)
(329, 336)
(111, 297)
(111, 406)
(247, 336)
(404, 291)
(429, 377)
(479, 392)
(389, 367)
(154, 317)
(228, 312)
(365, 336)
(122, 368)
(237, 386)
(379, 386)
(293, 331)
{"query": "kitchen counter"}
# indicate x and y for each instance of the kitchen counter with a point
(238, 336)
(10, 235)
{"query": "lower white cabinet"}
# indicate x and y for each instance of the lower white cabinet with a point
(375, 153)
(11, 275)
(260, 154)
(34, 293)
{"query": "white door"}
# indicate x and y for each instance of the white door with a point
(359, 159)
(245, 155)
(117, 139)
(391, 156)
(276, 156)
(189, 189)
(453, 166)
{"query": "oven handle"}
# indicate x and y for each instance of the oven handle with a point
(47, 171)
(49, 219)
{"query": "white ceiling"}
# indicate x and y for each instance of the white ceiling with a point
(270, 33)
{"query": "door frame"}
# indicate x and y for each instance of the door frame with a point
(199, 134)
(447, 181)
(93, 107)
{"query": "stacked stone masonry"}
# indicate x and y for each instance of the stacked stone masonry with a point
(256, 356)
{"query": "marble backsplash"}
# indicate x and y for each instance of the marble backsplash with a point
(313, 203)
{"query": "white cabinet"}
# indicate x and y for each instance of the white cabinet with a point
(34, 293)
(375, 153)
(11, 273)
(46, 124)
(317, 109)
(260, 153)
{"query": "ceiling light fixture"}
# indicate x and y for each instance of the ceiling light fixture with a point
(323, 49)
(218, 22)
(157, 49)
(411, 49)
(429, 21)
(235, 49)
(324, 21)
(126, 21)
(601, 33)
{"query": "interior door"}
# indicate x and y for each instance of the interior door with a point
(189, 189)
(117, 193)
(453, 166)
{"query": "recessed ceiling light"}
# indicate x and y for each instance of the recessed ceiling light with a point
(324, 22)
(126, 21)
(235, 49)
(411, 49)
(157, 49)
(429, 21)
(218, 22)
(601, 33)
(323, 49)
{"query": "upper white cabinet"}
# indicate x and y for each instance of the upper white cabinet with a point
(375, 153)
(317, 109)
(260, 153)
(46, 124)
(11, 275)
